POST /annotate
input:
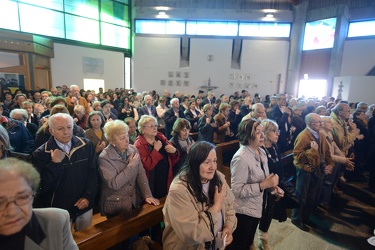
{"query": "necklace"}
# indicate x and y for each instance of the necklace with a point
(270, 156)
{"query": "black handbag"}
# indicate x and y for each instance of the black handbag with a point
(290, 199)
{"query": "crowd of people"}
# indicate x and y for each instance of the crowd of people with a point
(105, 149)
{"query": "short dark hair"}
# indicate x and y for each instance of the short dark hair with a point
(246, 130)
(105, 102)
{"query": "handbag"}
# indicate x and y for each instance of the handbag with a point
(290, 199)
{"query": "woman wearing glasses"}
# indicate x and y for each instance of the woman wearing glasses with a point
(157, 154)
(250, 179)
(21, 226)
(271, 135)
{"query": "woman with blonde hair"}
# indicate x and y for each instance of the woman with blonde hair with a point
(122, 172)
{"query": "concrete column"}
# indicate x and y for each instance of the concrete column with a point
(342, 25)
(295, 49)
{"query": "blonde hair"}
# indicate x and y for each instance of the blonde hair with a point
(113, 128)
(145, 119)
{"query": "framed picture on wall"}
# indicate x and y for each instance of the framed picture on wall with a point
(232, 76)
(186, 74)
(248, 77)
(178, 74)
(162, 82)
(178, 82)
(170, 82)
(239, 85)
(170, 74)
(231, 85)
(240, 77)
(186, 83)
(247, 85)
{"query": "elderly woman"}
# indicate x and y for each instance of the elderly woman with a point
(271, 135)
(122, 172)
(21, 226)
(5, 146)
(157, 154)
(206, 125)
(198, 211)
(21, 116)
(95, 133)
(250, 178)
(181, 141)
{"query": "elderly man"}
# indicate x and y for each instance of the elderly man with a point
(21, 116)
(312, 158)
(167, 96)
(171, 115)
(68, 168)
(209, 100)
(148, 108)
(259, 112)
(75, 99)
(20, 138)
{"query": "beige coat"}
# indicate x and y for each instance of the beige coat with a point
(186, 224)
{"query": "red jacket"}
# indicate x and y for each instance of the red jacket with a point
(150, 159)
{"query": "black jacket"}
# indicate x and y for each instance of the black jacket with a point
(64, 183)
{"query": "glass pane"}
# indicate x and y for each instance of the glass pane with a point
(211, 28)
(86, 8)
(160, 27)
(121, 1)
(265, 29)
(41, 21)
(116, 36)
(319, 34)
(366, 28)
(9, 15)
(117, 13)
(82, 29)
(175, 27)
(51, 4)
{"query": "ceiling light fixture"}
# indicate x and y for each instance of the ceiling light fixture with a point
(269, 15)
(162, 13)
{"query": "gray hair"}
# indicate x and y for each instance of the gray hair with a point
(268, 125)
(360, 104)
(4, 138)
(13, 166)
(73, 86)
(145, 119)
(173, 100)
(257, 105)
(339, 107)
(19, 111)
(79, 108)
(52, 118)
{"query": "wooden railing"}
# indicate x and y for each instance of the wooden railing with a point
(120, 228)
(224, 154)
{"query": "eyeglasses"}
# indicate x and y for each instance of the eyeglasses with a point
(321, 122)
(19, 200)
(150, 126)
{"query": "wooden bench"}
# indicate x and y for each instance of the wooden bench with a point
(224, 154)
(120, 228)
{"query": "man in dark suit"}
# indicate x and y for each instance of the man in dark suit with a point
(210, 99)
(171, 115)
(148, 108)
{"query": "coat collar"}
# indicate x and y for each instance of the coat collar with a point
(77, 143)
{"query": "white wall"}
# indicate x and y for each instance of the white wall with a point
(358, 58)
(67, 66)
(355, 88)
(263, 60)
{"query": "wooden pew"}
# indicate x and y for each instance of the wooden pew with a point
(117, 229)
(224, 154)
(287, 160)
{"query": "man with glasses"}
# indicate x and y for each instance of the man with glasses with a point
(312, 158)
